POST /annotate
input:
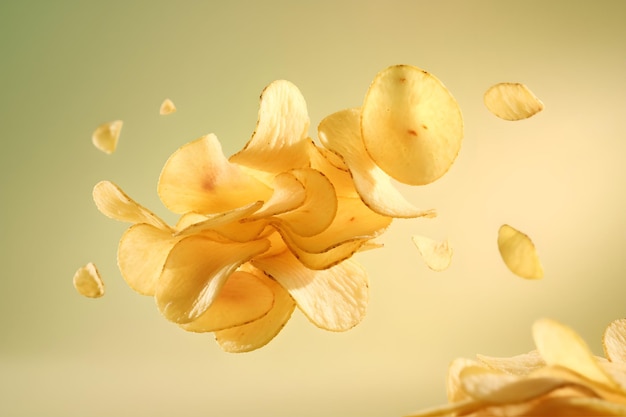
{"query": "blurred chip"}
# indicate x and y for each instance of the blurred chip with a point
(105, 137)
(87, 281)
(518, 253)
(167, 107)
(437, 255)
(512, 101)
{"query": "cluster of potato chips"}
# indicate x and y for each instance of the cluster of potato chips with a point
(283, 217)
(561, 377)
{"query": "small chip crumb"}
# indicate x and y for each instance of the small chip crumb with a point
(167, 107)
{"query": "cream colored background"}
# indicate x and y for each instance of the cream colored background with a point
(560, 176)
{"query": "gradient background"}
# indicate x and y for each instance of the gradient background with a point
(68, 66)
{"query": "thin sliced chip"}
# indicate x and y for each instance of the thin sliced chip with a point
(116, 204)
(142, 272)
(319, 208)
(279, 141)
(199, 178)
(106, 135)
(516, 365)
(499, 388)
(334, 299)
(411, 125)
(88, 282)
(437, 255)
(289, 194)
(560, 346)
(512, 101)
(340, 132)
(518, 253)
(257, 334)
(243, 299)
(614, 341)
(195, 271)
(167, 107)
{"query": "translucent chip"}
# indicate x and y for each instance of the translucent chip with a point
(437, 255)
(105, 137)
(87, 281)
(411, 125)
(167, 107)
(512, 101)
(518, 253)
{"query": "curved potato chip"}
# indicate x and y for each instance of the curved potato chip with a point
(340, 132)
(516, 365)
(318, 210)
(512, 101)
(88, 282)
(243, 299)
(518, 253)
(279, 140)
(437, 255)
(116, 204)
(198, 177)
(411, 125)
(289, 194)
(195, 271)
(563, 347)
(106, 135)
(334, 299)
(142, 272)
(614, 341)
(257, 334)
(167, 107)
(500, 388)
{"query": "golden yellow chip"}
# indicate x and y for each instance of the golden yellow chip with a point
(437, 255)
(518, 253)
(87, 281)
(512, 101)
(105, 137)
(411, 125)
(167, 107)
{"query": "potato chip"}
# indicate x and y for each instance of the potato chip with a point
(167, 107)
(411, 125)
(512, 101)
(437, 255)
(105, 137)
(88, 282)
(614, 341)
(518, 253)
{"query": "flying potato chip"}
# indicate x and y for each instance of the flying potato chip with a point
(411, 125)
(167, 107)
(437, 255)
(105, 137)
(512, 101)
(88, 282)
(518, 253)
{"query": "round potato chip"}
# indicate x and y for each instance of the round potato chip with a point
(518, 253)
(411, 125)
(512, 101)
(105, 137)
(88, 282)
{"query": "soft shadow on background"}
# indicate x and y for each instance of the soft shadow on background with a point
(560, 177)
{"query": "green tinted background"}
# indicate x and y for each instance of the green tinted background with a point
(560, 177)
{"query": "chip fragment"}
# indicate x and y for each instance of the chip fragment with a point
(512, 101)
(105, 137)
(437, 255)
(167, 107)
(518, 253)
(88, 282)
